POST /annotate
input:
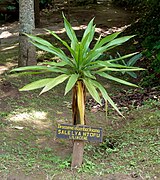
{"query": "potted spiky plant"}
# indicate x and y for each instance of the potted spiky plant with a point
(81, 69)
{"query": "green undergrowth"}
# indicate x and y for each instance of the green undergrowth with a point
(132, 148)
(28, 144)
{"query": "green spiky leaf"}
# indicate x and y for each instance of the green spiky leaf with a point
(92, 90)
(106, 96)
(71, 82)
(54, 82)
(107, 76)
(36, 84)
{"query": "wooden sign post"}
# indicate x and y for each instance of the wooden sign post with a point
(79, 134)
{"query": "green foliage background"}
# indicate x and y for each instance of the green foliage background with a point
(148, 33)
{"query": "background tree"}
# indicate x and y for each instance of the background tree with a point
(26, 19)
(37, 13)
(84, 2)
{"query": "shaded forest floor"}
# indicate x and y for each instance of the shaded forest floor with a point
(29, 149)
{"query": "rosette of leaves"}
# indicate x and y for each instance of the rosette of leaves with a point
(81, 68)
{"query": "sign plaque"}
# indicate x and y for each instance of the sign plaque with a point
(79, 132)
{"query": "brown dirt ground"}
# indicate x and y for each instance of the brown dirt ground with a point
(108, 19)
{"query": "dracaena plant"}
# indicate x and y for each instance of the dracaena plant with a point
(81, 68)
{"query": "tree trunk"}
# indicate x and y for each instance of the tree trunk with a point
(68, 11)
(84, 2)
(27, 51)
(78, 109)
(37, 13)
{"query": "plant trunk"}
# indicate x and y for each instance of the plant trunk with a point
(78, 110)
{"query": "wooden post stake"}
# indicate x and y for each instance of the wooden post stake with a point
(78, 147)
(77, 156)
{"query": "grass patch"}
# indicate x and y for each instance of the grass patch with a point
(27, 129)
(28, 141)
(133, 148)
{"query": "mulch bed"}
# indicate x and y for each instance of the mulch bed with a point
(128, 99)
